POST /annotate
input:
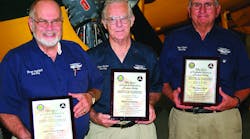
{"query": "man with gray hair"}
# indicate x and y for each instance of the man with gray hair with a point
(122, 52)
(198, 118)
(47, 67)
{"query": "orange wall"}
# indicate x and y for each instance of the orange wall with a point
(16, 32)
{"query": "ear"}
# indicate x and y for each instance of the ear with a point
(31, 24)
(218, 9)
(104, 24)
(189, 12)
(132, 20)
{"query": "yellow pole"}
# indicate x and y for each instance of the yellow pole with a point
(224, 20)
(141, 5)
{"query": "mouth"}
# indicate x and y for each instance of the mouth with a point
(49, 34)
(203, 16)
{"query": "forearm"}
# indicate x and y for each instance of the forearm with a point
(15, 126)
(154, 97)
(242, 94)
(92, 115)
(95, 93)
(167, 91)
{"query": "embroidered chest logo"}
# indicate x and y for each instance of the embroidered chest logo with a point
(75, 67)
(103, 67)
(34, 72)
(182, 48)
(139, 67)
(224, 51)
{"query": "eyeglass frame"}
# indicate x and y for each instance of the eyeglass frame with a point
(45, 23)
(112, 20)
(206, 5)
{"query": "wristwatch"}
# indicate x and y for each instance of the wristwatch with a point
(93, 97)
(238, 99)
(93, 100)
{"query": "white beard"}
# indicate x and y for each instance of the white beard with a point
(47, 43)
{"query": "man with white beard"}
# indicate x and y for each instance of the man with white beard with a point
(46, 67)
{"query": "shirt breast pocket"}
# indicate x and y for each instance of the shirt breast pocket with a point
(226, 66)
(78, 81)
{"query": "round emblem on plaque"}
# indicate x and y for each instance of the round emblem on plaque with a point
(191, 65)
(40, 107)
(120, 78)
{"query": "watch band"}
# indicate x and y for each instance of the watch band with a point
(237, 106)
(93, 97)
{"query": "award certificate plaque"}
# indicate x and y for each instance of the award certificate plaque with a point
(129, 99)
(200, 81)
(52, 118)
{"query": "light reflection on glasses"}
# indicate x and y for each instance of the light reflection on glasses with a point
(114, 19)
(207, 5)
(45, 23)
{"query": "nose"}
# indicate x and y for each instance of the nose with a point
(118, 22)
(49, 25)
(203, 8)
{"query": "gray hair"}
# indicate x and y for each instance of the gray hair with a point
(32, 9)
(215, 1)
(109, 2)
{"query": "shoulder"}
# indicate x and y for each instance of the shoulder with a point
(16, 57)
(182, 33)
(182, 30)
(70, 44)
(99, 49)
(21, 50)
(143, 49)
(228, 37)
(73, 47)
(226, 33)
(142, 46)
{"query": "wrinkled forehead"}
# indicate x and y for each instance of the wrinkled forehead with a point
(118, 8)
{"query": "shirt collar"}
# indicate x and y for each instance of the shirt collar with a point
(59, 49)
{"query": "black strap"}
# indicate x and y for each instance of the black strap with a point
(196, 110)
(129, 124)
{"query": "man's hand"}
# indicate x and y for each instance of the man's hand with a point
(152, 116)
(25, 134)
(84, 103)
(174, 96)
(15, 126)
(102, 119)
(227, 103)
(177, 101)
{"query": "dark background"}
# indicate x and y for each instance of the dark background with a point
(11, 9)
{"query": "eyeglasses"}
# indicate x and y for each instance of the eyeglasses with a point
(45, 23)
(207, 5)
(114, 19)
